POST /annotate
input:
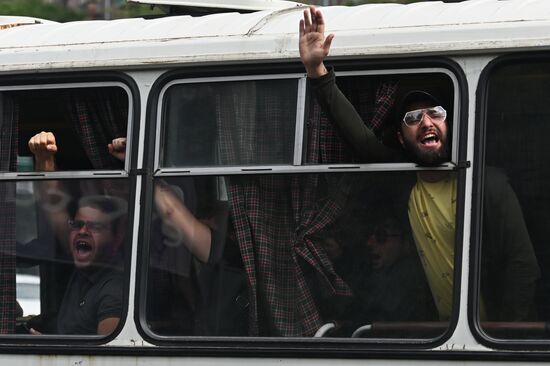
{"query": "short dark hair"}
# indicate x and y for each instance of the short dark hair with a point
(115, 208)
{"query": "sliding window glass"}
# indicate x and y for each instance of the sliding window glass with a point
(514, 283)
(229, 123)
(267, 219)
(63, 209)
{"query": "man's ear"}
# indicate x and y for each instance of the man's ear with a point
(400, 138)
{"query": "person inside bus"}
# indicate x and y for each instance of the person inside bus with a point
(214, 291)
(381, 265)
(92, 303)
(197, 236)
(44, 147)
(216, 312)
(422, 130)
(392, 287)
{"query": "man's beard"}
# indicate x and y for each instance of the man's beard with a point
(427, 157)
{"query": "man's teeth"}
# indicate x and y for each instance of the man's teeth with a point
(83, 246)
(431, 137)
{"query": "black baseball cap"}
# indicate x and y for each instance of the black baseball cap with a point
(413, 96)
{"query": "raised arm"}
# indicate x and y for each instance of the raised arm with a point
(196, 236)
(314, 47)
(44, 148)
(50, 193)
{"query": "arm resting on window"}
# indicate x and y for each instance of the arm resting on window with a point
(107, 326)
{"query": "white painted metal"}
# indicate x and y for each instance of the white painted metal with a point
(473, 32)
(462, 338)
(300, 122)
(89, 360)
(372, 30)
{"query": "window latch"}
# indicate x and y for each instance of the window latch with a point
(462, 164)
(136, 172)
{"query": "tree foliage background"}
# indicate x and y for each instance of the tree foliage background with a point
(59, 13)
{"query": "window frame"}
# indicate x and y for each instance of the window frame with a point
(297, 166)
(302, 346)
(68, 80)
(300, 113)
(76, 174)
(476, 242)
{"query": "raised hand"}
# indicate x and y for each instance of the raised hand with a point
(314, 47)
(118, 148)
(44, 148)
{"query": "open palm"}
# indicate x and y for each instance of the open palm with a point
(314, 47)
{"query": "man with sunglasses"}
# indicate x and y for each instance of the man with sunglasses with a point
(509, 265)
(393, 264)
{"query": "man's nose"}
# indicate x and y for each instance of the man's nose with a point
(426, 120)
(84, 229)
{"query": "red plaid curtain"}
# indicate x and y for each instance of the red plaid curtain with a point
(8, 162)
(275, 217)
(98, 115)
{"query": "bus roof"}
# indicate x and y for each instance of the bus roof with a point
(373, 30)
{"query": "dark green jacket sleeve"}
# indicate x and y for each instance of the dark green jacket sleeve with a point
(347, 121)
(509, 266)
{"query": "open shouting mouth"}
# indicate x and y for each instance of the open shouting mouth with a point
(430, 139)
(83, 251)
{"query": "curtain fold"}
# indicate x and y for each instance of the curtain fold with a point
(98, 115)
(277, 217)
(8, 163)
(278, 220)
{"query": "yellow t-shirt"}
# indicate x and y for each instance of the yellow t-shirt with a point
(432, 214)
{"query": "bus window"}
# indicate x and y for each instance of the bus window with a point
(70, 272)
(350, 260)
(236, 253)
(514, 282)
(63, 239)
(201, 120)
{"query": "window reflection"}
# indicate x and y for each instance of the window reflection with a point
(290, 253)
(72, 255)
(83, 120)
(230, 123)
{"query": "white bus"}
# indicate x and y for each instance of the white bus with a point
(248, 230)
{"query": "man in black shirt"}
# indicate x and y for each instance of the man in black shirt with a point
(92, 303)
